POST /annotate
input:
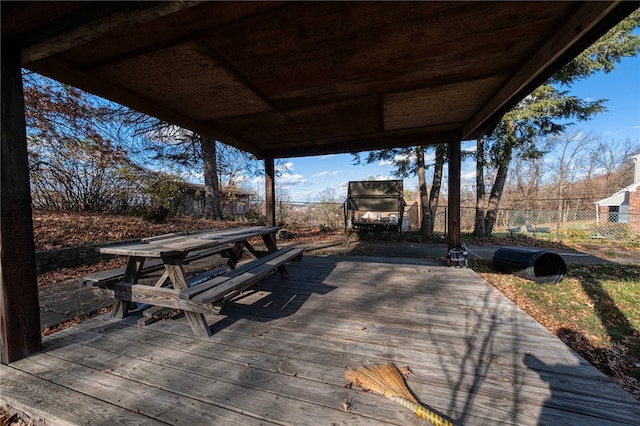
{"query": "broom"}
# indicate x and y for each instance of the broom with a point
(387, 381)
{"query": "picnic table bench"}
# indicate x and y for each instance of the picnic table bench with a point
(211, 287)
(207, 292)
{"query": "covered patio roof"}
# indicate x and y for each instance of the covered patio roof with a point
(278, 79)
(285, 79)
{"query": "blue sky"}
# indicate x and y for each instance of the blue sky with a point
(304, 179)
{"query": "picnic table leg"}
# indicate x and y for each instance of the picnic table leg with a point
(162, 280)
(270, 242)
(251, 249)
(175, 270)
(131, 275)
(165, 275)
(234, 255)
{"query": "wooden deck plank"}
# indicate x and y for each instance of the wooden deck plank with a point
(59, 405)
(279, 353)
(107, 385)
(413, 315)
(250, 390)
(311, 369)
(498, 394)
(303, 379)
(424, 382)
(432, 389)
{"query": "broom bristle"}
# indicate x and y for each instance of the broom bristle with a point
(383, 379)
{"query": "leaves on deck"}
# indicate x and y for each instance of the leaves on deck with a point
(346, 404)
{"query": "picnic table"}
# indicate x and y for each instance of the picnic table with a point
(206, 292)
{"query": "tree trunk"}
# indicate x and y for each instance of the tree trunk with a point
(434, 194)
(496, 191)
(427, 220)
(211, 184)
(478, 230)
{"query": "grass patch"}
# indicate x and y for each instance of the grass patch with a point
(595, 310)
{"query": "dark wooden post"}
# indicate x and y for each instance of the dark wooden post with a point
(455, 167)
(270, 191)
(19, 309)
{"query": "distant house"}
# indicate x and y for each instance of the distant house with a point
(233, 201)
(624, 205)
(412, 214)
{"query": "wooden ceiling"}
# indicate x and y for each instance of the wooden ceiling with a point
(286, 79)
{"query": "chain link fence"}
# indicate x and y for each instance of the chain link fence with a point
(575, 225)
(548, 224)
(552, 224)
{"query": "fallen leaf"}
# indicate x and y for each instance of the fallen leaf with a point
(406, 371)
(346, 404)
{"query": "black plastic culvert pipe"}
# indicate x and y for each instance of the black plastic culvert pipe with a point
(541, 266)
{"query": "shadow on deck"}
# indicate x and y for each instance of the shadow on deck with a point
(278, 356)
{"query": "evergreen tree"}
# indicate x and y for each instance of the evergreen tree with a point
(544, 112)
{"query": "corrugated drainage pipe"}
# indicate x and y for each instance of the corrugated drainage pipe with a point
(538, 265)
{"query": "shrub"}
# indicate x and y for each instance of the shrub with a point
(156, 214)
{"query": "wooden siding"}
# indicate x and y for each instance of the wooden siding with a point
(278, 356)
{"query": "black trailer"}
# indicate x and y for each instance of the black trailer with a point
(375, 205)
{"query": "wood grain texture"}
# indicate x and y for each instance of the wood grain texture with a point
(256, 271)
(284, 79)
(19, 313)
(44, 400)
(278, 354)
(158, 296)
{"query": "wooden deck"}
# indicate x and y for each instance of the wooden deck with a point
(278, 356)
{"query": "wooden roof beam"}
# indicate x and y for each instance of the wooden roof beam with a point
(579, 27)
(101, 88)
(138, 13)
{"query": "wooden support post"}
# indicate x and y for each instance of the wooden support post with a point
(455, 167)
(19, 308)
(270, 191)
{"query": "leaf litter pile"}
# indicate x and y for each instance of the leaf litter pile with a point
(55, 230)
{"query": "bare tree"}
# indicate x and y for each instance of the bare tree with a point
(329, 207)
(523, 184)
(481, 205)
(74, 162)
(212, 207)
(434, 193)
(223, 167)
(567, 166)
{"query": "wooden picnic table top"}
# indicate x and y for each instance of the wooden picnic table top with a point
(175, 244)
